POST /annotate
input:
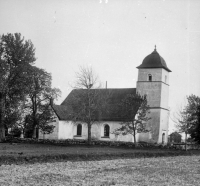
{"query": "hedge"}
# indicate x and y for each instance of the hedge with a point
(70, 142)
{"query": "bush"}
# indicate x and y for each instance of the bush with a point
(94, 142)
(70, 142)
(15, 132)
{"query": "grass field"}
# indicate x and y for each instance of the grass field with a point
(171, 171)
(45, 149)
(121, 170)
(31, 153)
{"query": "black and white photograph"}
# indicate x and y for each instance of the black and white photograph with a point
(99, 92)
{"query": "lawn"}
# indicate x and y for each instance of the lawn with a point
(42, 164)
(31, 153)
(46, 149)
(171, 171)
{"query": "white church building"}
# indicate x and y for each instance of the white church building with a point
(153, 80)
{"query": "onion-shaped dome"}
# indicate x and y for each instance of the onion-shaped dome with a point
(154, 60)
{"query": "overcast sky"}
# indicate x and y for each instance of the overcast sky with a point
(113, 36)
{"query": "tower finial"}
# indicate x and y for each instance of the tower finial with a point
(155, 47)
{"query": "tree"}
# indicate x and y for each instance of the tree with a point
(15, 55)
(87, 102)
(44, 118)
(187, 119)
(134, 111)
(193, 112)
(195, 132)
(182, 122)
(39, 93)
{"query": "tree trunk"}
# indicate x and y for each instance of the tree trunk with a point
(34, 126)
(186, 141)
(2, 111)
(134, 138)
(89, 133)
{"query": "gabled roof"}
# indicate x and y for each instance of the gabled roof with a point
(115, 97)
(61, 111)
(154, 60)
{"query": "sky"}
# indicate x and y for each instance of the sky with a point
(113, 37)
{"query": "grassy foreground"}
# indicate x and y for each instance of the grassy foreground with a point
(171, 171)
(32, 153)
(42, 164)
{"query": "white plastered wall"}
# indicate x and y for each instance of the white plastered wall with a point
(164, 122)
(155, 72)
(65, 130)
(98, 132)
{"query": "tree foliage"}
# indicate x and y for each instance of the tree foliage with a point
(39, 93)
(135, 113)
(193, 111)
(25, 90)
(15, 55)
(187, 119)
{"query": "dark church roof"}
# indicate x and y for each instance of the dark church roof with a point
(154, 60)
(115, 97)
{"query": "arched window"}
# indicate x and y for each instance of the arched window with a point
(163, 138)
(79, 130)
(106, 131)
(149, 77)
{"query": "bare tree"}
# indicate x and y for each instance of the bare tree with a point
(181, 120)
(87, 101)
(86, 78)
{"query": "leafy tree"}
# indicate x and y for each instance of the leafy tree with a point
(187, 119)
(193, 112)
(44, 118)
(87, 103)
(134, 111)
(15, 55)
(39, 93)
(195, 132)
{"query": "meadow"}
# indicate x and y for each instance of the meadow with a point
(83, 165)
(171, 171)
(16, 153)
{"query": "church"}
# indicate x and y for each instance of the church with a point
(153, 80)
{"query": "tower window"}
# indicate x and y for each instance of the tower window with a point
(79, 130)
(150, 77)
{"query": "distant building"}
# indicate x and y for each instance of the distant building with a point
(153, 80)
(175, 137)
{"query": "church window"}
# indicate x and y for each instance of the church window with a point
(106, 130)
(163, 138)
(79, 130)
(150, 77)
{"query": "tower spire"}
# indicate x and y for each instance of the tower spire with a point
(155, 48)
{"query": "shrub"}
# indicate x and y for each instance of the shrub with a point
(15, 132)
(94, 142)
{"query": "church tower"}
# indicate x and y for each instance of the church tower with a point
(153, 80)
